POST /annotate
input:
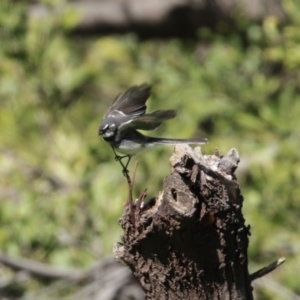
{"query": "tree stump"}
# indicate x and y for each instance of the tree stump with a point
(191, 241)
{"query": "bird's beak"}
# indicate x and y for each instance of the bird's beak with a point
(100, 131)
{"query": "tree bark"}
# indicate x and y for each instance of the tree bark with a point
(191, 241)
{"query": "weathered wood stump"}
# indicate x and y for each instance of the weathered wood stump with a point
(191, 241)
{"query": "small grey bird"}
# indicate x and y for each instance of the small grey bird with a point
(127, 115)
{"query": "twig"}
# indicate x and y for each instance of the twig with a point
(155, 17)
(40, 269)
(265, 270)
(129, 201)
(130, 187)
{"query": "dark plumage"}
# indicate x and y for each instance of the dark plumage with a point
(127, 115)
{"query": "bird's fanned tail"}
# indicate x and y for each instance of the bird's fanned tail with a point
(169, 141)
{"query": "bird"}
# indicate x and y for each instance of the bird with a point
(126, 116)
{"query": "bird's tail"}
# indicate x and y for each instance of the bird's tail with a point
(169, 141)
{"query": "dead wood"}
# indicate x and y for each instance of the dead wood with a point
(156, 18)
(191, 241)
(106, 279)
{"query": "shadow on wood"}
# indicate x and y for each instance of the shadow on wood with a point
(191, 241)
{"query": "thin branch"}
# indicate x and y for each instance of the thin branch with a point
(266, 270)
(41, 269)
(156, 17)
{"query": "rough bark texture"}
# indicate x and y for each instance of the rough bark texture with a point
(191, 241)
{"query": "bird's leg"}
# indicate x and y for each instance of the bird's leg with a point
(128, 160)
(124, 166)
(118, 158)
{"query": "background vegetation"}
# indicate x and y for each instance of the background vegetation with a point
(61, 193)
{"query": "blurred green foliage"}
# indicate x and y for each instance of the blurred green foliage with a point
(61, 191)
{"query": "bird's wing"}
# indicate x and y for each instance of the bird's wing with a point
(148, 121)
(130, 103)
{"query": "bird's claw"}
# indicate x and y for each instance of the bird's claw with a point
(125, 172)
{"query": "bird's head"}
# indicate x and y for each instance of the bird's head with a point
(108, 128)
